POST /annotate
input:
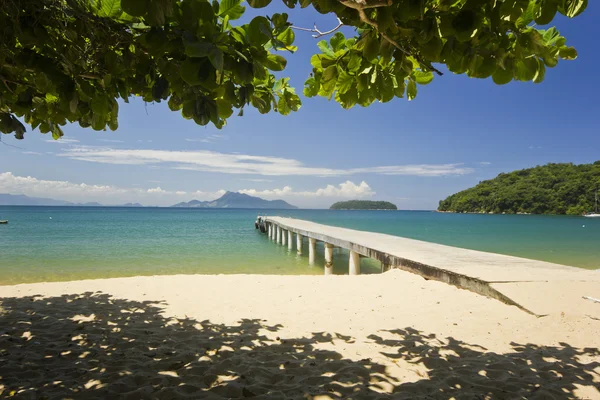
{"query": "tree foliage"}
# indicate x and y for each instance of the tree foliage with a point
(548, 189)
(363, 205)
(71, 60)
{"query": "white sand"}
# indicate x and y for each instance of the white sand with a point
(393, 335)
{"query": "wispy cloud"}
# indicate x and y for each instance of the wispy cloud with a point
(110, 140)
(63, 140)
(33, 153)
(258, 180)
(211, 161)
(208, 138)
(485, 163)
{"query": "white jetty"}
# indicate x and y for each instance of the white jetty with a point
(516, 281)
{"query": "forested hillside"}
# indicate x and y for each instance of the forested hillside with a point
(547, 189)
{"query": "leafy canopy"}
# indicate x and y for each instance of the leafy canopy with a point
(71, 60)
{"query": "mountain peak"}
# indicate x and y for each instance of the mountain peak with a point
(237, 200)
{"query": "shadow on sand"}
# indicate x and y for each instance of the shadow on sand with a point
(95, 346)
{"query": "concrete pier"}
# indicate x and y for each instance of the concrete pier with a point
(299, 243)
(494, 275)
(278, 234)
(270, 232)
(328, 259)
(290, 240)
(284, 237)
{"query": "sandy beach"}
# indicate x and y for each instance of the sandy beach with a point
(394, 335)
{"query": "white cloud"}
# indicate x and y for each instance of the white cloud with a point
(33, 153)
(485, 163)
(105, 194)
(63, 140)
(112, 195)
(321, 197)
(211, 161)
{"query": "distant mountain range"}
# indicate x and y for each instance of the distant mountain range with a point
(236, 200)
(228, 200)
(22, 200)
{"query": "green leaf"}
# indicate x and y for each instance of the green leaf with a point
(256, 31)
(324, 47)
(100, 105)
(224, 108)
(546, 12)
(231, 8)
(572, 8)
(198, 49)
(526, 69)
(136, 8)
(337, 41)
(190, 71)
(355, 62)
(371, 49)
(568, 53)
(541, 72)
(422, 77)
(502, 76)
(411, 90)
(527, 17)
(216, 59)
(311, 87)
(110, 8)
(275, 62)
(345, 81)
(259, 3)
(287, 37)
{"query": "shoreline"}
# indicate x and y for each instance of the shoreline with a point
(295, 336)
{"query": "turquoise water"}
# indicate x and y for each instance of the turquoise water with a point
(66, 243)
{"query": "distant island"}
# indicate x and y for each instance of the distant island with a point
(237, 200)
(548, 189)
(22, 200)
(363, 205)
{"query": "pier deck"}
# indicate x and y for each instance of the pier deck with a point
(517, 281)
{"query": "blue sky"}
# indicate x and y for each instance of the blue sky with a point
(457, 132)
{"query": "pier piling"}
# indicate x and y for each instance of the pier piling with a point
(312, 250)
(328, 259)
(354, 263)
(299, 243)
(290, 240)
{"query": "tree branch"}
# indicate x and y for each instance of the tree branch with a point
(319, 33)
(363, 4)
(367, 20)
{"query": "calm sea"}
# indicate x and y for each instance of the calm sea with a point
(67, 243)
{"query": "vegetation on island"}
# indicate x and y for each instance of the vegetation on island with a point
(548, 189)
(67, 61)
(363, 205)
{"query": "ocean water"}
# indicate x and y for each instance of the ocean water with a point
(67, 243)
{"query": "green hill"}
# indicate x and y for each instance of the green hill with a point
(547, 189)
(363, 205)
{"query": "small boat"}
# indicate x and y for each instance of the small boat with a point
(594, 214)
(3, 221)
